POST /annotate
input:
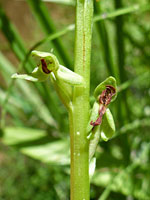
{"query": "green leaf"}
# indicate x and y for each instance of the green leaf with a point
(30, 142)
(16, 135)
(115, 182)
(107, 128)
(53, 153)
(102, 86)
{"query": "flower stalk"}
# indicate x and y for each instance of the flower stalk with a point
(79, 114)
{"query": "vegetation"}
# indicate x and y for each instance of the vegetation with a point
(35, 124)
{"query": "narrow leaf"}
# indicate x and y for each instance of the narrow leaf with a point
(16, 135)
(25, 139)
(56, 153)
(65, 2)
(43, 17)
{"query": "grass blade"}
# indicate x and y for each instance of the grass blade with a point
(41, 13)
(12, 108)
(103, 36)
(16, 43)
(123, 110)
(100, 17)
(123, 11)
(65, 2)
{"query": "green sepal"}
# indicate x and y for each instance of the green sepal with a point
(64, 90)
(24, 77)
(50, 59)
(94, 140)
(69, 76)
(93, 116)
(107, 128)
(102, 86)
(93, 134)
(92, 166)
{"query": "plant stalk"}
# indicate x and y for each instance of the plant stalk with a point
(79, 114)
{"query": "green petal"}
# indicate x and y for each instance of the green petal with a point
(107, 127)
(25, 77)
(102, 86)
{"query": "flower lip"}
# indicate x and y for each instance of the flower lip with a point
(44, 67)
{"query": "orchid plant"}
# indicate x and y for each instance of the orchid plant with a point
(87, 125)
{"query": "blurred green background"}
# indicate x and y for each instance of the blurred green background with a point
(34, 143)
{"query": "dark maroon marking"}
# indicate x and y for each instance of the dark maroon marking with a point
(106, 96)
(99, 119)
(44, 67)
(104, 99)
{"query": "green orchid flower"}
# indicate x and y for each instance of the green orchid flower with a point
(101, 123)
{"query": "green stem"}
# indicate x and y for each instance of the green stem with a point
(79, 114)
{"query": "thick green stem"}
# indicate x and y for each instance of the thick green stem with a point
(79, 114)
